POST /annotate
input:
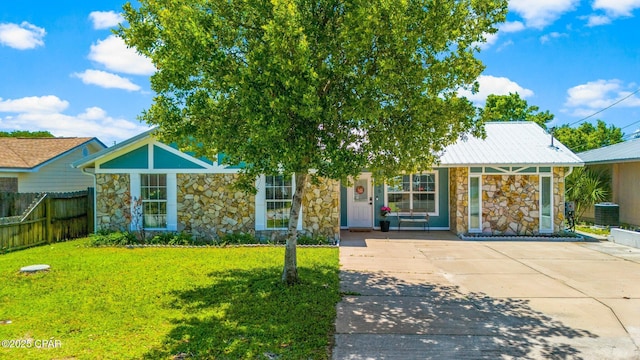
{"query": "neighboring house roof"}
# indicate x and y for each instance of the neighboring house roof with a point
(510, 142)
(620, 152)
(26, 154)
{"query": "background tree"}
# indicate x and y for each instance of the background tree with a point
(587, 137)
(315, 88)
(26, 134)
(513, 108)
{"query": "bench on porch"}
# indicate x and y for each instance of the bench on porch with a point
(409, 216)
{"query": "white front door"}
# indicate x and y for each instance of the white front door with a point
(360, 203)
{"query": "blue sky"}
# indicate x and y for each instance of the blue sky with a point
(62, 70)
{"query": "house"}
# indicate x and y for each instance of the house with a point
(622, 162)
(44, 164)
(512, 182)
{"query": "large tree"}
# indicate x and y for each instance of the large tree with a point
(587, 137)
(315, 88)
(513, 108)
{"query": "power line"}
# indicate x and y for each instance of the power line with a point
(606, 108)
(633, 123)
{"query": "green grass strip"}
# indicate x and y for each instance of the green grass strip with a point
(163, 303)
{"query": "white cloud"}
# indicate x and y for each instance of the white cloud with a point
(597, 20)
(512, 26)
(552, 35)
(93, 122)
(114, 54)
(34, 104)
(617, 8)
(106, 80)
(540, 13)
(496, 86)
(612, 9)
(586, 98)
(22, 37)
(105, 19)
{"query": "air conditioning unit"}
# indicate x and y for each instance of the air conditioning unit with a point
(607, 214)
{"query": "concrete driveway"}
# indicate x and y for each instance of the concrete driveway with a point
(416, 295)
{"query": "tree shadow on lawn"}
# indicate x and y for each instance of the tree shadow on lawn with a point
(249, 314)
(442, 322)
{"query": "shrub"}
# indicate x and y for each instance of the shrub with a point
(313, 240)
(107, 237)
(237, 239)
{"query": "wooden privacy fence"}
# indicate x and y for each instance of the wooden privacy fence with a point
(50, 217)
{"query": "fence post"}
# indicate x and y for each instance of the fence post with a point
(91, 193)
(49, 215)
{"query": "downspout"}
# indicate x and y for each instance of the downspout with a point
(95, 196)
(569, 173)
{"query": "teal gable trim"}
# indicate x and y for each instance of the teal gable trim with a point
(163, 159)
(192, 154)
(136, 159)
(222, 157)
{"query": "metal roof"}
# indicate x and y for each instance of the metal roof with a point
(510, 142)
(620, 152)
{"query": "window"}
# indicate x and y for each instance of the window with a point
(546, 204)
(416, 191)
(278, 197)
(475, 211)
(153, 193)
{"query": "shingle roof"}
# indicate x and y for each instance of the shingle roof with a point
(27, 153)
(624, 151)
(511, 142)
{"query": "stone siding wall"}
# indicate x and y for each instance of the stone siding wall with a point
(208, 207)
(510, 204)
(113, 202)
(321, 209)
(459, 200)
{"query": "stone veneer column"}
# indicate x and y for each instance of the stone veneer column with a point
(558, 198)
(113, 198)
(459, 203)
(209, 207)
(321, 209)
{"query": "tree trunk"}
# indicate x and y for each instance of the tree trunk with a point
(290, 271)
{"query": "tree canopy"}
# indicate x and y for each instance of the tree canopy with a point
(323, 86)
(26, 134)
(587, 137)
(513, 108)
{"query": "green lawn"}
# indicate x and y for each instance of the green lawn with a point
(161, 303)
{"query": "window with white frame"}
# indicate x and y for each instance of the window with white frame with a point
(153, 194)
(415, 191)
(278, 198)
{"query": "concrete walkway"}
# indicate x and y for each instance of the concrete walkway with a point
(417, 295)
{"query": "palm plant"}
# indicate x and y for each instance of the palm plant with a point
(587, 187)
